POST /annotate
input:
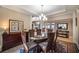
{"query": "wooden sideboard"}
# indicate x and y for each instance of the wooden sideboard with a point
(12, 40)
(63, 33)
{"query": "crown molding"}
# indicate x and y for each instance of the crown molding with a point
(53, 13)
(17, 9)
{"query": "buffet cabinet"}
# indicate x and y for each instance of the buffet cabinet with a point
(11, 40)
(64, 34)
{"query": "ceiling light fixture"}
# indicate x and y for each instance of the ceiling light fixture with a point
(42, 16)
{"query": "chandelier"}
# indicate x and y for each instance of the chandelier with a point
(42, 16)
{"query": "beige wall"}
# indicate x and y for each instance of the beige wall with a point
(6, 14)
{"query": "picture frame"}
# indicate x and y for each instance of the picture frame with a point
(62, 26)
(16, 25)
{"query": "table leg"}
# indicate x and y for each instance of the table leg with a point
(39, 49)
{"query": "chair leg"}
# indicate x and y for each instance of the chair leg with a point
(55, 48)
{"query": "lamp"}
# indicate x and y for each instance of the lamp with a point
(5, 27)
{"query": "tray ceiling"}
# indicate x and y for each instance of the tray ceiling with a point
(35, 10)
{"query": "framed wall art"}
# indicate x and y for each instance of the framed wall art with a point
(16, 25)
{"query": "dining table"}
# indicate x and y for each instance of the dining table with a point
(38, 39)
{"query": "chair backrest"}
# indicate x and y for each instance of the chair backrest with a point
(56, 35)
(31, 33)
(23, 36)
(38, 31)
(50, 30)
(51, 37)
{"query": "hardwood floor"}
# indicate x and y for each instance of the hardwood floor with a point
(65, 39)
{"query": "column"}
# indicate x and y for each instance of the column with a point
(75, 28)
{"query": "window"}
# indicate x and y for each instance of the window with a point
(52, 25)
(48, 25)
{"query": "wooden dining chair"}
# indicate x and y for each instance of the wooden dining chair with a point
(27, 45)
(38, 31)
(55, 41)
(50, 44)
(23, 36)
(31, 33)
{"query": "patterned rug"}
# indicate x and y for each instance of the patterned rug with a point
(66, 47)
(63, 47)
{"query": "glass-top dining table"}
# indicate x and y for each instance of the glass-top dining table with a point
(38, 39)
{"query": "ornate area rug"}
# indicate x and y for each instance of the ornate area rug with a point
(63, 47)
(66, 47)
